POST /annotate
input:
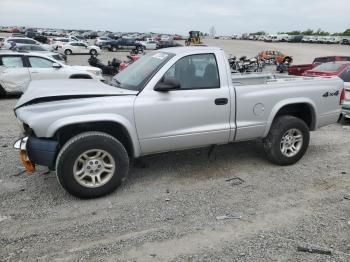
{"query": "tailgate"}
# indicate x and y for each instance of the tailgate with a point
(298, 70)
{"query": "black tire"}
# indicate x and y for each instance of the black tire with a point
(68, 52)
(84, 142)
(140, 49)
(272, 143)
(3, 93)
(93, 52)
(114, 49)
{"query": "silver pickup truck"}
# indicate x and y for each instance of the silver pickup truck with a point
(172, 99)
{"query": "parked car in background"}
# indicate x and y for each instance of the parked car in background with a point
(59, 41)
(345, 41)
(340, 69)
(78, 48)
(276, 56)
(18, 69)
(100, 41)
(36, 48)
(295, 38)
(123, 43)
(24, 41)
(298, 70)
(166, 44)
(149, 44)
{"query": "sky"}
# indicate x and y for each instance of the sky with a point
(179, 16)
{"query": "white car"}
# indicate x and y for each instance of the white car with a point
(149, 44)
(24, 41)
(38, 49)
(18, 69)
(78, 48)
(60, 41)
(99, 41)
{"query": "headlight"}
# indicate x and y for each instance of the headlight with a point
(95, 72)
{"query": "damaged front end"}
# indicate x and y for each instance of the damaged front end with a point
(37, 151)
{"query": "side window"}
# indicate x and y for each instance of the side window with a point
(12, 61)
(73, 44)
(345, 75)
(18, 41)
(28, 41)
(38, 62)
(195, 72)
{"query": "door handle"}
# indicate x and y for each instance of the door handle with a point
(221, 101)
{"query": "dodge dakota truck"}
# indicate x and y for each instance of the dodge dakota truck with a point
(170, 99)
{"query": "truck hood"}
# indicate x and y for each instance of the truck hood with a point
(41, 91)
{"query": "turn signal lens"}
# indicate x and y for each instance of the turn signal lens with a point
(29, 167)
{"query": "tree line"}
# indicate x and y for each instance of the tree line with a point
(318, 32)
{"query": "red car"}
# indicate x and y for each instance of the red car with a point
(298, 70)
(340, 69)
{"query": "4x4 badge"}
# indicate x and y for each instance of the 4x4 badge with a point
(327, 94)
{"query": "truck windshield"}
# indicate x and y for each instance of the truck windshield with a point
(135, 76)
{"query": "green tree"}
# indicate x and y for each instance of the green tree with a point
(346, 32)
(308, 32)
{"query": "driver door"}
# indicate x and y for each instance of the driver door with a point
(195, 115)
(42, 68)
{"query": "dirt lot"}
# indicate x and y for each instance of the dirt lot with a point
(170, 210)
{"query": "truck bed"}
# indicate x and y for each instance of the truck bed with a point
(264, 78)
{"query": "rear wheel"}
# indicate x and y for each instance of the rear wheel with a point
(114, 49)
(92, 164)
(93, 52)
(287, 140)
(140, 49)
(68, 52)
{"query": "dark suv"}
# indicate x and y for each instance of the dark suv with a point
(129, 44)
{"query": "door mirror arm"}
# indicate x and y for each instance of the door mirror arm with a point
(165, 85)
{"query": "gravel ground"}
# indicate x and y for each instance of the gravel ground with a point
(170, 209)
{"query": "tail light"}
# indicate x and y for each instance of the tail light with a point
(342, 97)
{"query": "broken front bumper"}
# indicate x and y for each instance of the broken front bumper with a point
(37, 151)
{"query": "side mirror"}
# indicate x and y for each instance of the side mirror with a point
(166, 85)
(56, 65)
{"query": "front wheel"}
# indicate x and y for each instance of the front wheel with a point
(287, 140)
(93, 52)
(68, 52)
(92, 164)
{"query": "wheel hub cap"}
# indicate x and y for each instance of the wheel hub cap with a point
(291, 142)
(94, 168)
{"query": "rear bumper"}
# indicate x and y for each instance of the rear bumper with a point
(37, 151)
(346, 112)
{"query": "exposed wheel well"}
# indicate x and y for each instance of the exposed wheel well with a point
(112, 128)
(303, 111)
(80, 76)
